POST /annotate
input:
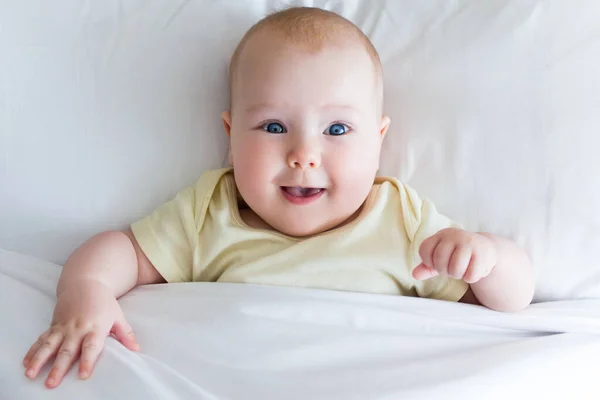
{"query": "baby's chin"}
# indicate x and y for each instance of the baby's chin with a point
(301, 227)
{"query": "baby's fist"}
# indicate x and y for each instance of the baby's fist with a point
(457, 253)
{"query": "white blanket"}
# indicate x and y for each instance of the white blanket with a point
(233, 341)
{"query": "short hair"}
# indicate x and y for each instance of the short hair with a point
(311, 28)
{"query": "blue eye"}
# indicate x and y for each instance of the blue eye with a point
(274, 127)
(337, 129)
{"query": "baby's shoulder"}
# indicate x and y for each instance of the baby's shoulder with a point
(392, 184)
(397, 193)
(211, 178)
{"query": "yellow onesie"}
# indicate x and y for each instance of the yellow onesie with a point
(199, 236)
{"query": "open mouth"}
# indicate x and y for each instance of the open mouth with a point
(301, 191)
(301, 195)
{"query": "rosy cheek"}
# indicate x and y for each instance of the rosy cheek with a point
(354, 164)
(256, 154)
(244, 148)
(348, 156)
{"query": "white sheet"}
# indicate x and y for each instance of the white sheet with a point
(109, 107)
(234, 341)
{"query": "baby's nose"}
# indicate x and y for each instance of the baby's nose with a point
(304, 157)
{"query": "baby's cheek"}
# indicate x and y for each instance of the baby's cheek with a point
(248, 150)
(353, 171)
(255, 164)
(360, 158)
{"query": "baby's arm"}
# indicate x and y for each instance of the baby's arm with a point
(510, 284)
(498, 271)
(96, 274)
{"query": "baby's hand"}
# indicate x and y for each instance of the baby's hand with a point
(84, 316)
(456, 253)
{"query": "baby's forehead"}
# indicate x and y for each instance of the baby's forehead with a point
(313, 37)
(301, 31)
(292, 80)
(271, 46)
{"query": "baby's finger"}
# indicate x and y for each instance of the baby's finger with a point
(124, 334)
(441, 256)
(427, 247)
(423, 272)
(473, 273)
(64, 360)
(459, 262)
(90, 350)
(47, 349)
(34, 348)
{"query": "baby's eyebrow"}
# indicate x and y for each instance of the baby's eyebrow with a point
(342, 107)
(262, 106)
(328, 107)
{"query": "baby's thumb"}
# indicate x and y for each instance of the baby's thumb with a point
(124, 334)
(423, 272)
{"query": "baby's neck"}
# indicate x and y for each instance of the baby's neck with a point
(253, 220)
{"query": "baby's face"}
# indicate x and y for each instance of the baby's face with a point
(305, 133)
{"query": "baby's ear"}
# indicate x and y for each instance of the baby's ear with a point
(226, 117)
(385, 124)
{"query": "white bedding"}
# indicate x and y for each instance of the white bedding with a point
(233, 341)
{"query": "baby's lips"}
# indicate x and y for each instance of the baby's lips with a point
(298, 191)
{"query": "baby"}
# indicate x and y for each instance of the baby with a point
(301, 205)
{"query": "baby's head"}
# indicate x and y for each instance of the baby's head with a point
(305, 121)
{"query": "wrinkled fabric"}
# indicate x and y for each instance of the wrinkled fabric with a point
(241, 341)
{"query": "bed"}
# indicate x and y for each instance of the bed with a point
(237, 341)
(109, 108)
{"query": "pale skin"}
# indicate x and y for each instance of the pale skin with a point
(95, 275)
(112, 263)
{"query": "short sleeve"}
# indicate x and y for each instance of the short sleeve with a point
(421, 221)
(169, 236)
